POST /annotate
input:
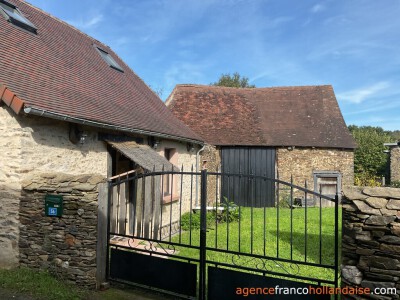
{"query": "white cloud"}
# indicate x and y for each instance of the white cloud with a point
(317, 8)
(181, 72)
(378, 106)
(362, 94)
(87, 24)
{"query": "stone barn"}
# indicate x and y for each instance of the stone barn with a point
(281, 132)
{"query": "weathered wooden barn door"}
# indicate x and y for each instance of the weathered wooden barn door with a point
(257, 161)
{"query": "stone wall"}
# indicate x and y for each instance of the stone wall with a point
(211, 160)
(299, 162)
(36, 145)
(302, 162)
(10, 163)
(32, 145)
(395, 164)
(371, 238)
(66, 246)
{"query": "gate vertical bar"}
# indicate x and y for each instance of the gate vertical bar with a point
(336, 242)
(203, 237)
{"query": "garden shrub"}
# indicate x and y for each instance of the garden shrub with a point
(395, 184)
(191, 220)
(230, 212)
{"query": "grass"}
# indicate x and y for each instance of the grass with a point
(24, 283)
(253, 235)
(39, 284)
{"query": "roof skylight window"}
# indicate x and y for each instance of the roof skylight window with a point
(14, 15)
(110, 60)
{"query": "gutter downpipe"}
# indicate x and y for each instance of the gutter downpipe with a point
(197, 177)
(52, 115)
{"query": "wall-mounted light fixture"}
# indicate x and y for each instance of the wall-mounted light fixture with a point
(190, 147)
(82, 137)
(153, 142)
(77, 135)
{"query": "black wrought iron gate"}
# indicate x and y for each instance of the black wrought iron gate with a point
(164, 233)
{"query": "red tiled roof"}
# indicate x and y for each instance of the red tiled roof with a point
(304, 116)
(59, 70)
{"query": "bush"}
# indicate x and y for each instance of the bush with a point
(284, 198)
(191, 220)
(230, 212)
(367, 180)
(395, 184)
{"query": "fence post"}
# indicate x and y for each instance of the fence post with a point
(102, 235)
(336, 243)
(203, 235)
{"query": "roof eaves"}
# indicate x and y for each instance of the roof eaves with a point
(10, 99)
(54, 115)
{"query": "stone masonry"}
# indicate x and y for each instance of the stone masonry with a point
(299, 162)
(302, 162)
(371, 239)
(65, 246)
(395, 164)
(30, 146)
(211, 160)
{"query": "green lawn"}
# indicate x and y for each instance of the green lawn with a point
(32, 284)
(39, 285)
(257, 233)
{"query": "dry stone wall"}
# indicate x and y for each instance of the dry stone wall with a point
(64, 245)
(395, 164)
(371, 238)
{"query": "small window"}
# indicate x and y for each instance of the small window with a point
(13, 15)
(168, 177)
(170, 181)
(108, 58)
(328, 183)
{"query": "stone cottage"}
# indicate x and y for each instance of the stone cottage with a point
(278, 132)
(72, 113)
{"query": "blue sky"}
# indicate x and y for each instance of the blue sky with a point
(354, 45)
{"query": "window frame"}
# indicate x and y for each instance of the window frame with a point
(21, 21)
(328, 174)
(169, 181)
(108, 59)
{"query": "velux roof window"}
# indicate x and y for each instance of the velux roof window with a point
(109, 59)
(14, 15)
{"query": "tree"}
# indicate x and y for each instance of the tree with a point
(234, 80)
(370, 161)
(395, 134)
